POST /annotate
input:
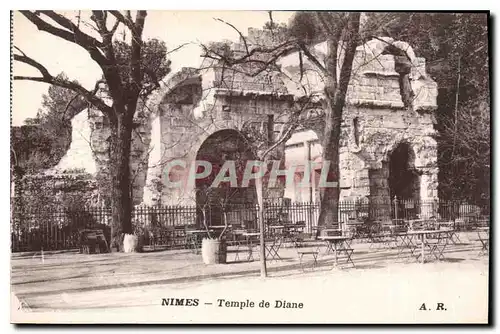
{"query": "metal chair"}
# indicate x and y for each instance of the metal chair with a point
(460, 224)
(484, 239)
(93, 241)
(304, 245)
(272, 244)
(437, 244)
(235, 241)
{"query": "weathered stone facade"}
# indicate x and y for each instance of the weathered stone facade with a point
(194, 105)
(375, 123)
(183, 127)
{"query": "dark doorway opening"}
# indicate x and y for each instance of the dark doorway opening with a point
(404, 180)
(224, 201)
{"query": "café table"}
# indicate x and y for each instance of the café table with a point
(219, 228)
(446, 224)
(483, 223)
(285, 232)
(294, 227)
(276, 229)
(412, 222)
(423, 237)
(383, 233)
(328, 230)
(337, 244)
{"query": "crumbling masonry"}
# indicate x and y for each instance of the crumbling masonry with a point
(195, 105)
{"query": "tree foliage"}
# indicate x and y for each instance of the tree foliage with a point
(465, 146)
(44, 139)
(131, 71)
(153, 62)
(455, 46)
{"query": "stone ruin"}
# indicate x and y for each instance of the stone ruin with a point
(387, 150)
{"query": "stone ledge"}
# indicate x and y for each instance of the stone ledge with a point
(425, 108)
(375, 104)
(253, 94)
(374, 74)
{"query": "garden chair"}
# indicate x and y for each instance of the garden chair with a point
(484, 239)
(273, 244)
(460, 224)
(93, 241)
(235, 241)
(437, 244)
(191, 240)
(386, 235)
(306, 247)
(351, 227)
(483, 222)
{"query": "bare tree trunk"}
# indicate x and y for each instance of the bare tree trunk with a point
(330, 196)
(262, 226)
(335, 96)
(456, 110)
(121, 204)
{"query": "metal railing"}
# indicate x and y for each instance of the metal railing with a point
(33, 229)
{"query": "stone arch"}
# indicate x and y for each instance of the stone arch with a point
(187, 76)
(381, 180)
(224, 201)
(213, 128)
(423, 167)
(397, 143)
(186, 147)
(424, 149)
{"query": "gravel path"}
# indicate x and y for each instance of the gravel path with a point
(69, 287)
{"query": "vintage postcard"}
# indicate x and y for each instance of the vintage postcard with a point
(195, 167)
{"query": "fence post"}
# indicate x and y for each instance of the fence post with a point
(310, 217)
(395, 207)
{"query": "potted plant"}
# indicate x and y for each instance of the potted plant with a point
(213, 245)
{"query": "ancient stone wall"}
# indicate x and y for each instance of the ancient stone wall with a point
(375, 121)
(194, 104)
(182, 134)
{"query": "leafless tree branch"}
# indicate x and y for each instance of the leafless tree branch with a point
(48, 78)
(312, 58)
(239, 33)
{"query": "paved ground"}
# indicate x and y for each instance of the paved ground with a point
(130, 287)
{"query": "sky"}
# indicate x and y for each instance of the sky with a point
(173, 27)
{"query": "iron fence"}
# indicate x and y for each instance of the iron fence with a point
(165, 226)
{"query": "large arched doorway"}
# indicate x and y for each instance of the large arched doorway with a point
(404, 180)
(225, 202)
